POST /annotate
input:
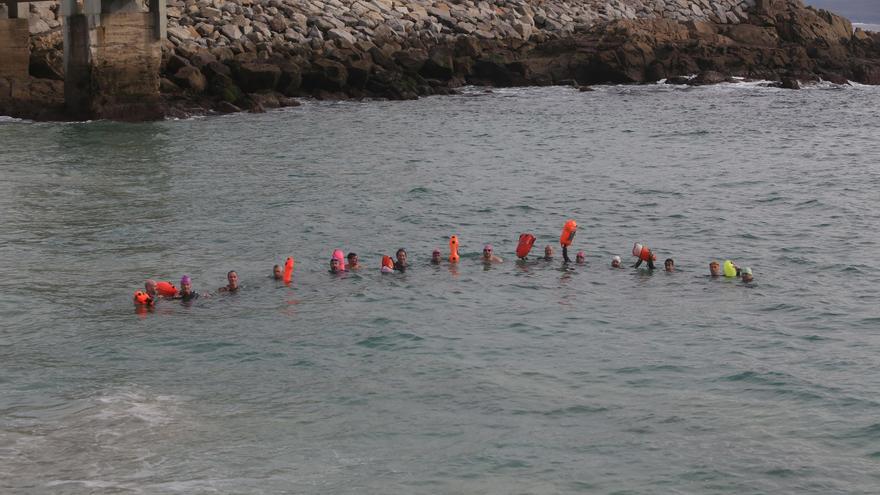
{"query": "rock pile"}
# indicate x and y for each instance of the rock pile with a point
(251, 54)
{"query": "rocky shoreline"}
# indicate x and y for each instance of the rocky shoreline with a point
(233, 55)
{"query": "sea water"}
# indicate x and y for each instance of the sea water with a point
(535, 377)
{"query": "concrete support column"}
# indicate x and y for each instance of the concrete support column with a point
(15, 52)
(111, 59)
(160, 19)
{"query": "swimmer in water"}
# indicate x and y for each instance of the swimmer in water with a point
(746, 274)
(548, 253)
(669, 265)
(335, 265)
(277, 274)
(435, 257)
(615, 262)
(400, 264)
(232, 286)
(580, 258)
(150, 289)
(488, 257)
(186, 293)
(714, 269)
(353, 263)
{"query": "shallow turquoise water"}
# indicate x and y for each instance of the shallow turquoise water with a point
(519, 378)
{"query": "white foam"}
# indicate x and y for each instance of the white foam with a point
(867, 27)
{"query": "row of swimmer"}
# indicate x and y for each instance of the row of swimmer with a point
(340, 263)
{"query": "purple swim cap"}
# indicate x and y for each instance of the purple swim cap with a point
(185, 280)
(487, 247)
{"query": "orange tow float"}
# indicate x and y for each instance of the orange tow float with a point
(453, 249)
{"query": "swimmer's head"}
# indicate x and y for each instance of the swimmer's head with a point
(335, 265)
(715, 269)
(548, 251)
(615, 262)
(352, 260)
(276, 272)
(150, 287)
(580, 257)
(185, 285)
(435, 256)
(669, 265)
(746, 274)
(487, 251)
(232, 278)
(401, 256)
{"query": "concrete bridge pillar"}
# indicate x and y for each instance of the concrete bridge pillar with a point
(15, 50)
(112, 53)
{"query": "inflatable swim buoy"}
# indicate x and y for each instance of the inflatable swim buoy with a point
(387, 264)
(141, 297)
(526, 241)
(643, 253)
(288, 270)
(453, 249)
(568, 232)
(166, 289)
(339, 255)
(729, 269)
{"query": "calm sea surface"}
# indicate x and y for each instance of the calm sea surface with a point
(531, 378)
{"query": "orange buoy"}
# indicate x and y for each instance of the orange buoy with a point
(387, 262)
(142, 298)
(288, 270)
(526, 241)
(568, 232)
(453, 249)
(166, 289)
(643, 253)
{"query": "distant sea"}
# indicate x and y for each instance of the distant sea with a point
(867, 27)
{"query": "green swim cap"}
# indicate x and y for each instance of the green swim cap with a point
(746, 271)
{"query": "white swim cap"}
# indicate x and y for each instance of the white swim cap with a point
(616, 258)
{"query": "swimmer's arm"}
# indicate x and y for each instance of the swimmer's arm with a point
(638, 263)
(565, 254)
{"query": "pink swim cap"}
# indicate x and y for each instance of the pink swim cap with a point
(185, 280)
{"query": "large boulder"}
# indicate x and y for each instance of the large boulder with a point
(190, 77)
(439, 65)
(326, 75)
(253, 77)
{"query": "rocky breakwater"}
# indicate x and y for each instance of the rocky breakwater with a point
(230, 55)
(253, 54)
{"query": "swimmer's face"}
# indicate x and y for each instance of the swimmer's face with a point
(669, 265)
(353, 260)
(487, 253)
(548, 251)
(579, 258)
(186, 288)
(334, 265)
(401, 256)
(435, 256)
(747, 277)
(714, 269)
(276, 272)
(150, 288)
(615, 263)
(232, 277)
